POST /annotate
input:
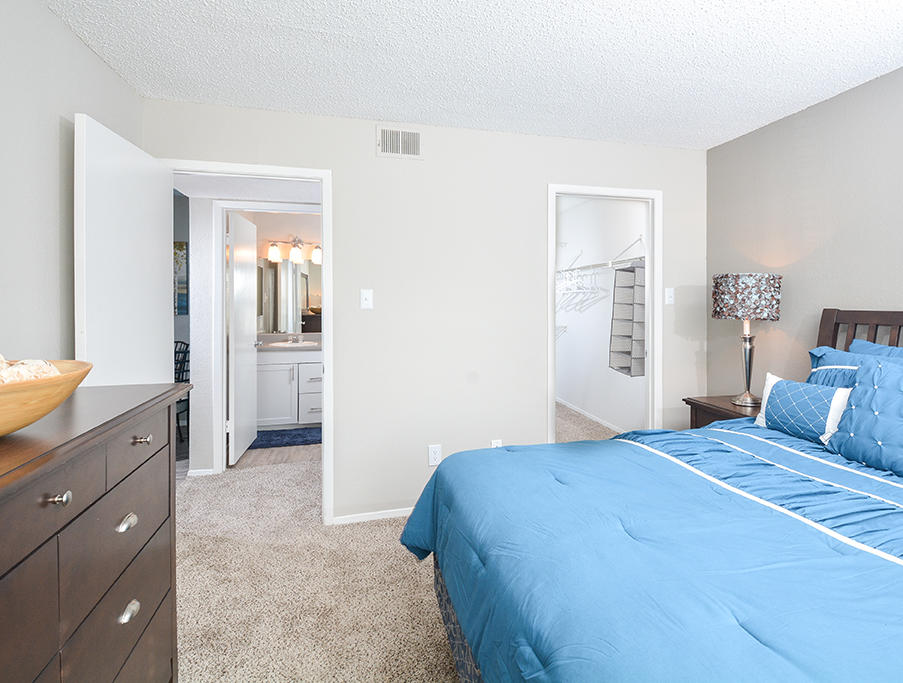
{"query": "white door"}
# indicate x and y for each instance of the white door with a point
(277, 398)
(242, 335)
(123, 259)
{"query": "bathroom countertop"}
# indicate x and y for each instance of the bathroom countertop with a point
(294, 347)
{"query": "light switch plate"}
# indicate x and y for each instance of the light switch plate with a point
(367, 299)
(669, 296)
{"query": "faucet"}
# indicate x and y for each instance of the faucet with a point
(294, 339)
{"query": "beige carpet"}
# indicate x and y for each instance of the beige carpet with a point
(572, 426)
(266, 593)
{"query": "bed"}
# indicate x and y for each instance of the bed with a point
(732, 552)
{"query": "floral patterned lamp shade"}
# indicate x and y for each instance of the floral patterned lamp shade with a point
(746, 296)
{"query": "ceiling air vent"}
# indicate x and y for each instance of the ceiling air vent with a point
(401, 144)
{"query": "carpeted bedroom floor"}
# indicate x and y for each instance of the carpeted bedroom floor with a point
(266, 593)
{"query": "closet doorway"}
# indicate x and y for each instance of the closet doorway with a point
(604, 311)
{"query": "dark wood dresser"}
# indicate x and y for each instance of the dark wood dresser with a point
(87, 539)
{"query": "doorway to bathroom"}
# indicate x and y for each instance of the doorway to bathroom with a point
(260, 323)
(604, 359)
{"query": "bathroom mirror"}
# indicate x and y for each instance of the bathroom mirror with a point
(283, 296)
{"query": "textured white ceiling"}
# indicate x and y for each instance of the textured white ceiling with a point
(670, 72)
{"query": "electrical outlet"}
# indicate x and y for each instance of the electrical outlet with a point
(669, 296)
(495, 443)
(435, 454)
(367, 299)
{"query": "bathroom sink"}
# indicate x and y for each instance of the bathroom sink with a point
(290, 344)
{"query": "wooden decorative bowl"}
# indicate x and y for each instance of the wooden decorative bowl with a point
(22, 403)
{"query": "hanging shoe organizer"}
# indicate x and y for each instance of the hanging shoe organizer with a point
(627, 352)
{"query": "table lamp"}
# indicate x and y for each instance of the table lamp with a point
(746, 296)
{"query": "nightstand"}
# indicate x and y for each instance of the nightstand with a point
(707, 409)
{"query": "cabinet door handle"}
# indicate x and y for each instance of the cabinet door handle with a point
(130, 612)
(138, 440)
(292, 378)
(60, 499)
(127, 523)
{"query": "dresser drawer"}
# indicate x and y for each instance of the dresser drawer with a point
(96, 547)
(117, 622)
(36, 518)
(51, 672)
(310, 378)
(28, 614)
(310, 408)
(151, 660)
(135, 444)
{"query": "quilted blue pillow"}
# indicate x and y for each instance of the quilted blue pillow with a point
(871, 349)
(806, 411)
(871, 429)
(835, 368)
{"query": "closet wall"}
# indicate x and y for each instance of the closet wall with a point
(592, 230)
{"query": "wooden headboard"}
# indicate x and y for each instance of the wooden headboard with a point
(833, 320)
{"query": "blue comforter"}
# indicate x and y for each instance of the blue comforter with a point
(727, 553)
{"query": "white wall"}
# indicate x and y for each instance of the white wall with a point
(592, 230)
(206, 244)
(454, 246)
(48, 74)
(817, 197)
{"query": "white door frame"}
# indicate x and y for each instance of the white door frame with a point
(654, 293)
(324, 176)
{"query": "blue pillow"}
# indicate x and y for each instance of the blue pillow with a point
(835, 368)
(806, 411)
(871, 429)
(871, 349)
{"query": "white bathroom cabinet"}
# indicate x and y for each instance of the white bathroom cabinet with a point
(289, 392)
(277, 394)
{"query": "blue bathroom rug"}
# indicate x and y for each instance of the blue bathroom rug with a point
(276, 438)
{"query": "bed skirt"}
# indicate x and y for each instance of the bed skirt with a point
(466, 666)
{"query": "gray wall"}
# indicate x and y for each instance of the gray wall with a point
(817, 197)
(455, 248)
(48, 74)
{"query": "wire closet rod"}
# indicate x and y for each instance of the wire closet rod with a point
(604, 264)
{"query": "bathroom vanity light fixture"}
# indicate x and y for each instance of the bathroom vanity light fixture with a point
(316, 256)
(274, 255)
(295, 255)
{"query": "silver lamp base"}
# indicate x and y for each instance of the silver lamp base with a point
(747, 346)
(746, 399)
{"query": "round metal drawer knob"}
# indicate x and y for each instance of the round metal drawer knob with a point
(61, 499)
(138, 440)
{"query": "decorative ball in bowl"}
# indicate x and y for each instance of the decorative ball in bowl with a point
(26, 401)
(316, 310)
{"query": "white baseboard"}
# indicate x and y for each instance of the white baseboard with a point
(604, 423)
(369, 516)
(199, 473)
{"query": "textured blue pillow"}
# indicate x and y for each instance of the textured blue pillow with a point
(806, 411)
(871, 349)
(835, 368)
(871, 429)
